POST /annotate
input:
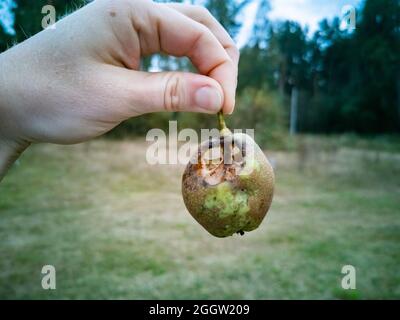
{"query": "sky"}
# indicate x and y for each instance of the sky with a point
(306, 12)
(6, 16)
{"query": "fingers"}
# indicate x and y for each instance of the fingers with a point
(166, 91)
(179, 35)
(203, 16)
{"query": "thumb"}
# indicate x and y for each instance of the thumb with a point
(174, 91)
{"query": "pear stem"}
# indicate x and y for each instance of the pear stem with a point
(221, 121)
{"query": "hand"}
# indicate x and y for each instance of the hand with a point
(81, 79)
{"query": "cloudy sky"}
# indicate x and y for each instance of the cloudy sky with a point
(6, 16)
(306, 12)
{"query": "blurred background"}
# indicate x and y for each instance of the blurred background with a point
(324, 100)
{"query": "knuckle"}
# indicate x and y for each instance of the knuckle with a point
(173, 93)
(132, 3)
(123, 5)
(201, 10)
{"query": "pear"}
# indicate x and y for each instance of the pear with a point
(228, 185)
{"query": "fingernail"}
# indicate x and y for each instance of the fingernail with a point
(208, 98)
(231, 110)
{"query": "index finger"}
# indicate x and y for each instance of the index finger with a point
(178, 35)
(203, 16)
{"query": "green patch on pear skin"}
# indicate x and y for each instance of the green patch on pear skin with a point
(250, 166)
(226, 202)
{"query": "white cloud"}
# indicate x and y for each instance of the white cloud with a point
(248, 18)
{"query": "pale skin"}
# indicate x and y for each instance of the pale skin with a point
(82, 79)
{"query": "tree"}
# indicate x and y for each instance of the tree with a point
(360, 71)
(227, 12)
(257, 64)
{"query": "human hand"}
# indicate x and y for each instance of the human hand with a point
(82, 79)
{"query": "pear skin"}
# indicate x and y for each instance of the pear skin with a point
(229, 197)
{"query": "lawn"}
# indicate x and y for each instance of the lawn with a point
(116, 227)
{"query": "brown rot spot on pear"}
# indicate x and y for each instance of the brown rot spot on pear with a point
(228, 186)
(113, 14)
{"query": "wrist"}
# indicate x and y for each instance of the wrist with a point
(10, 147)
(9, 153)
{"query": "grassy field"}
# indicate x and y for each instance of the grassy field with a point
(115, 227)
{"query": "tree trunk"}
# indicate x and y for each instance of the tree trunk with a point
(294, 110)
(282, 77)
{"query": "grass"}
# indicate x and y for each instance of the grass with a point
(115, 227)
